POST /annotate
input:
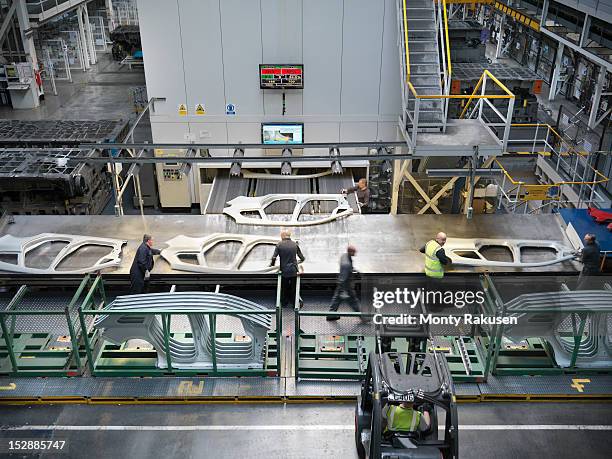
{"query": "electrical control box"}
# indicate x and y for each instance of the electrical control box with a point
(173, 181)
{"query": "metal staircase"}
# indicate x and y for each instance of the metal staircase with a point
(423, 67)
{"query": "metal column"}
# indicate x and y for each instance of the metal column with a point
(89, 35)
(27, 35)
(601, 80)
(110, 15)
(500, 37)
(544, 13)
(584, 34)
(554, 81)
(83, 36)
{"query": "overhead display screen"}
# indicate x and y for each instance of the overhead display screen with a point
(282, 133)
(281, 76)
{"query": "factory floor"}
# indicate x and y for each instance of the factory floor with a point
(100, 93)
(298, 431)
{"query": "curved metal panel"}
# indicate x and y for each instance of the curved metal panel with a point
(258, 204)
(198, 246)
(457, 249)
(19, 247)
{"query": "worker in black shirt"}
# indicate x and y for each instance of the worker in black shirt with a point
(589, 256)
(363, 195)
(142, 265)
(344, 285)
(289, 251)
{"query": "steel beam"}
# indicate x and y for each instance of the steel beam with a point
(595, 102)
(554, 81)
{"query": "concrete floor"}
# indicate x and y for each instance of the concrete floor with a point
(100, 93)
(298, 431)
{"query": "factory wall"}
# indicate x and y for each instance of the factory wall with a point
(208, 52)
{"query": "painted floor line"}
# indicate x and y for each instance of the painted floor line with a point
(289, 427)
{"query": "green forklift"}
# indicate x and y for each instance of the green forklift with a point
(420, 379)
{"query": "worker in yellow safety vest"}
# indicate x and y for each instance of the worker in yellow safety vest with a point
(404, 418)
(435, 257)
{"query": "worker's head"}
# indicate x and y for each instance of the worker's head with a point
(407, 405)
(351, 250)
(441, 238)
(148, 239)
(362, 183)
(589, 238)
(285, 234)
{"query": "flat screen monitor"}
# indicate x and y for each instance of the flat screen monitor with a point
(281, 76)
(282, 133)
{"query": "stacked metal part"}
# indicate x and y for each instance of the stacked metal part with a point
(235, 352)
(557, 317)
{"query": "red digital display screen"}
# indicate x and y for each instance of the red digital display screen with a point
(281, 76)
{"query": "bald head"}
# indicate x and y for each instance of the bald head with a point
(441, 238)
(351, 250)
(285, 234)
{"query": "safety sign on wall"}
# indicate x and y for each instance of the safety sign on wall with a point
(199, 109)
(182, 110)
(230, 109)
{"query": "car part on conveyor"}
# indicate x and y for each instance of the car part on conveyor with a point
(556, 318)
(469, 252)
(236, 351)
(241, 207)
(16, 250)
(195, 248)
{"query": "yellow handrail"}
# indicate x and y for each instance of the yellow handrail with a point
(406, 44)
(572, 150)
(446, 38)
(472, 96)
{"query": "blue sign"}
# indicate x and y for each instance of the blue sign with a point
(230, 109)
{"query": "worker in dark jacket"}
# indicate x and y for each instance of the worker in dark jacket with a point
(589, 256)
(344, 285)
(363, 195)
(288, 251)
(142, 265)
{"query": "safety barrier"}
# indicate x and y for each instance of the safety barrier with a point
(411, 117)
(562, 158)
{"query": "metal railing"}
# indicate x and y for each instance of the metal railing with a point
(410, 118)
(566, 161)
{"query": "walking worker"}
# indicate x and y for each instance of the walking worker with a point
(590, 259)
(363, 194)
(344, 285)
(435, 257)
(288, 251)
(142, 265)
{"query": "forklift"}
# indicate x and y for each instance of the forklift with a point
(420, 378)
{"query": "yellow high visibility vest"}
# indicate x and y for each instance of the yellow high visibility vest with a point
(433, 267)
(401, 419)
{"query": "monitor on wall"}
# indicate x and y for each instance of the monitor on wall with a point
(281, 76)
(282, 133)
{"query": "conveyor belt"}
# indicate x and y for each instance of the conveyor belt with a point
(226, 188)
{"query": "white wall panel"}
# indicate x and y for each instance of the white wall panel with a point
(281, 34)
(242, 54)
(361, 56)
(322, 56)
(201, 38)
(390, 92)
(162, 51)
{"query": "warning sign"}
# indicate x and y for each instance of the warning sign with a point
(182, 110)
(199, 109)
